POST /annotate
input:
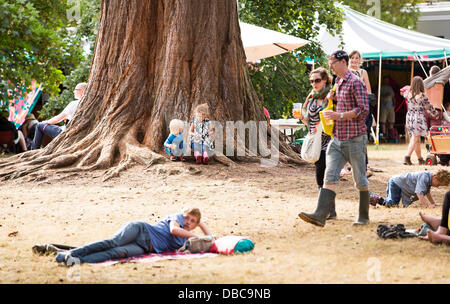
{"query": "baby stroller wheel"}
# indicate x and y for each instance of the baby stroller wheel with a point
(431, 160)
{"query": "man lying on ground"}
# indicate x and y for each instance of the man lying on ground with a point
(137, 238)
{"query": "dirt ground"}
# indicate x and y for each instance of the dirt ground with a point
(246, 199)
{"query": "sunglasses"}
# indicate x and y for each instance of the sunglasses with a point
(317, 80)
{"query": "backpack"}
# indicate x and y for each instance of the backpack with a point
(197, 244)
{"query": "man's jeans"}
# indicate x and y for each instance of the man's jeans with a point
(41, 129)
(131, 239)
(341, 151)
(393, 194)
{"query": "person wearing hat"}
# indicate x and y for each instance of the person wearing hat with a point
(348, 143)
(50, 127)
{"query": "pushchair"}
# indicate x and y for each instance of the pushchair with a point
(439, 147)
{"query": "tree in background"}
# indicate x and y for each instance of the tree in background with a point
(283, 80)
(35, 44)
(156, 60)
(279, 81)
(85, 33)
(403, 13)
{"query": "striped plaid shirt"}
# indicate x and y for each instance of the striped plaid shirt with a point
(351, 95)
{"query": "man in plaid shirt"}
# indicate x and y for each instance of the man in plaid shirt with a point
(348, 143)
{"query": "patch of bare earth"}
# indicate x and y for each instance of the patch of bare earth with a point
(245, 199)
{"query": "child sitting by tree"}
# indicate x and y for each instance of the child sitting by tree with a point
(201, 132)
(412, 186)
(137, 238)
(174, 143)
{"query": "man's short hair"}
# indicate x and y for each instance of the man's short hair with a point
(434, 69)
(81, 85)
(339, 55)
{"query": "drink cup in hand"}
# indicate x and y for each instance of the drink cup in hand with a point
(297, 110)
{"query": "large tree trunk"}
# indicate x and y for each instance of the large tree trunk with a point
(154, 60)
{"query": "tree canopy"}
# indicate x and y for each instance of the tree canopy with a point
(404, 13)
(86, 32)
(283, 80)
(36, 44)
(280, 80)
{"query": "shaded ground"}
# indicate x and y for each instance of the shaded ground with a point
(247, 199)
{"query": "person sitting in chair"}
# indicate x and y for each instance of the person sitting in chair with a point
(50, 127)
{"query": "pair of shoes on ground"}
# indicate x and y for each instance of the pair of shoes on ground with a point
(407, 161)
(199, 159)
(375, 199)
(67, 259)
(42, 249)
(393, 231)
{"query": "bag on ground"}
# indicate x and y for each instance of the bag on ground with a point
(197, 244)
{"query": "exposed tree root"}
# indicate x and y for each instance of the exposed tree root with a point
(115, 154)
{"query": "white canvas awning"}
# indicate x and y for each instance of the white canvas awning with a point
(374, 38)
(261, 43)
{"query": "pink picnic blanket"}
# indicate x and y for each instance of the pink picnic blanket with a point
(223, 245)
(153, 257)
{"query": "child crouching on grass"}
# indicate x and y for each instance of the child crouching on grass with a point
(409, 187)
(174, 143)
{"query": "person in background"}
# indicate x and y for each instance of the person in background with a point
(440, 225)
(28, 129)
(355, 68)
(50, 127)
(174, 145)
(410, 187)
(201, 132)
(387, 102)
(348, 143)
(320, 80)
(416, 123)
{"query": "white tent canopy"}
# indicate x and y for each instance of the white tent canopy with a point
(261, 43)
(374, 38)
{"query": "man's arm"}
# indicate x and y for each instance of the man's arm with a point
(176, 230)
(430, 199)
(204, 229)
(362, 99)
(56, 119)
(422, 200)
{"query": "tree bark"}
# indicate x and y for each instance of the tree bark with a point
(154, 61)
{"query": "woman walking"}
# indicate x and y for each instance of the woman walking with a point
(320, 80)
(416, 122)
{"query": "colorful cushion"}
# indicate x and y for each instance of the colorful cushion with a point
(232, 244)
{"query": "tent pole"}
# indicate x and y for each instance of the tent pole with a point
(377, 141)
(418, 59)
(412, 71)
(445, 58)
